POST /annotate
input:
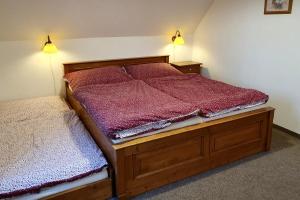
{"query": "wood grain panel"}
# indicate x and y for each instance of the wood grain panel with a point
(235, 140)
(72, 67)
(171, 163)
(232, 138)
(98, 190)
(188, 67)
(154, 161)
(191, 69)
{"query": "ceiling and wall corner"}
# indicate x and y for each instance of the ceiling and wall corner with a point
(69, 19)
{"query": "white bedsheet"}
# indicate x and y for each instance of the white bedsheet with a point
(189, 122)
(46, 192)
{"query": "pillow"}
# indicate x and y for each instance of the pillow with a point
(152, 70)
(104, 75)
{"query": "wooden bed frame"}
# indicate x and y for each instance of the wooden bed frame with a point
(149, 162)
(98, 190)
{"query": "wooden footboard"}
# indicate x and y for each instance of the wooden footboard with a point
(150, 162)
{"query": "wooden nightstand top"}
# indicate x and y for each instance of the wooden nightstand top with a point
(185, 63)
(188, 67)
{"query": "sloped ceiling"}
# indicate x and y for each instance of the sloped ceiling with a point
(29, 19)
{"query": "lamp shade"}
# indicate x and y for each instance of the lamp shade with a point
(49, 47)
(177, 39)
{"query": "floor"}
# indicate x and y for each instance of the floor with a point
(272, 176)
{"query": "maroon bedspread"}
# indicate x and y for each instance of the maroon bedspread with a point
(131, 105)
(209, 96)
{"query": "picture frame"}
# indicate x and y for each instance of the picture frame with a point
(278, 7)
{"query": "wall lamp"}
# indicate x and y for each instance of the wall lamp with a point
(177, 39)
(49, 47)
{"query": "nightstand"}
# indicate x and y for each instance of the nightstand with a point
(188, 67)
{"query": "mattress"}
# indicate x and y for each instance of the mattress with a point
(189, 122)
(40, 150)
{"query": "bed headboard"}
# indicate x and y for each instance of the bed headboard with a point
(72, 67)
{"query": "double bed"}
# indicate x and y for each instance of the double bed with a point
(190, 138)
(46, 153)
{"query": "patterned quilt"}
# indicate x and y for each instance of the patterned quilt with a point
(209, 96)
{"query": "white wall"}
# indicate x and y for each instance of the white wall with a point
(69, 19)
(242, 46)
(25, 71)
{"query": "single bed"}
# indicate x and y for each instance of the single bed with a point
(46, 153)
(148, 162)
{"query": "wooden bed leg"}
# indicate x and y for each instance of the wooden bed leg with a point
(120, 176)
(269, 131)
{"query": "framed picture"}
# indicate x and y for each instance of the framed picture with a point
(278, 6)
